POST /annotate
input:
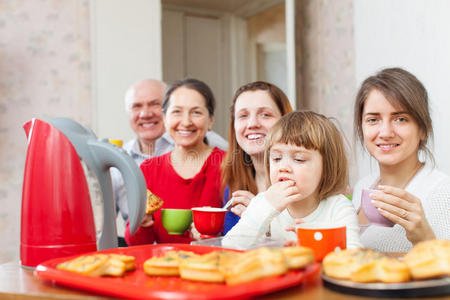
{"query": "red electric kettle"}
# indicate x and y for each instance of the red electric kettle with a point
(57, 214)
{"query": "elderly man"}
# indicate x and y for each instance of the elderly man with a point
(143, 104)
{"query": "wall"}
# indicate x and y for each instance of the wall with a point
(267, 46)
(126, 47)
(44, 72)
(47, 69)
(412, 34)
(196, 44)
(325, 61)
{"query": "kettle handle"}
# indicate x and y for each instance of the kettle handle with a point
(107, 156)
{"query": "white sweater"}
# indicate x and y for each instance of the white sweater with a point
(432, 187)
(260, 217)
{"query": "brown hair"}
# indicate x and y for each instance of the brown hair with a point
(314, 131)
(238, 171)
(401, 89)
(193, 84)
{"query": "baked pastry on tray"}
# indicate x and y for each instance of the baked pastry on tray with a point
(297, 257)
(167, 264)
(209, 267)
(429, 259)
(365, 265)
(99, 264)
(230, 266)
(255, 264)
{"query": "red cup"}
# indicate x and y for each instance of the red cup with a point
(209, 220)
(321, 238)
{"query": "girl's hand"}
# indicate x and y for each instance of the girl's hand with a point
(405, 209)
(282, 193)
(292, 229)
(147, 221)
(241, 200)
(195, 235)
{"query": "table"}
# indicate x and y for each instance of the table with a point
(19, 283)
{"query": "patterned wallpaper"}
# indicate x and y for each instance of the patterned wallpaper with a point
(44, 73)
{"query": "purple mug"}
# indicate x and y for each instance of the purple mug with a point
(371, 212)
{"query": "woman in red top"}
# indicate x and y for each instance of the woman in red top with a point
(189, 176)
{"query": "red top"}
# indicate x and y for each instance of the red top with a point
(201, 190)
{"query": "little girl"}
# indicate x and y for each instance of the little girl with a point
(307, 166)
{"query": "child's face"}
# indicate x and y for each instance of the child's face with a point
(304, 166)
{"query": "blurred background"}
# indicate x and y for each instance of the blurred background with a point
(76, 58)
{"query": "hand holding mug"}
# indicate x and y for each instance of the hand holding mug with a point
(405, 209)
(195, 235)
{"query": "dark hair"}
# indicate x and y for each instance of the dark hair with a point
(237, 167)
(193, 84)
(401, 89)
(313, 131)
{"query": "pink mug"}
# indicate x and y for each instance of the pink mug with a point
(371, 212)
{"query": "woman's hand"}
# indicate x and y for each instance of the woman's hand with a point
(195, 235)
(147, 221)
(241, 199)
(282, 193)
(405, 209)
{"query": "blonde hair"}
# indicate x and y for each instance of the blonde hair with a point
(313, 131)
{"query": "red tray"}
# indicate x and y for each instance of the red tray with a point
(137, 285)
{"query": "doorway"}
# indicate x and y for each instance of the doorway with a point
(225, 44)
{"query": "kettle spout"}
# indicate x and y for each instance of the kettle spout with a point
(27, 127)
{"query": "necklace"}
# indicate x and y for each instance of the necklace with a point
(413, 173)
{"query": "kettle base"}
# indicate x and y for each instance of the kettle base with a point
(32, 255)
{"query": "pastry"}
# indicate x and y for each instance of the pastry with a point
(99, 264)
(297, 257)
(429, 259)
(385, 269)
(209, 267)
(365, 265)
(255, 264)
(229, 266)
(167, 264)
(341, 264)
(153, 203)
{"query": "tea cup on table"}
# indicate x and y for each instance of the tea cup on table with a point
(176, 221)
(322, 238)
(371, 212)
(208, 220)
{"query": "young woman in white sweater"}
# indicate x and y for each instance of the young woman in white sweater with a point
(393, 122)
(306, 162)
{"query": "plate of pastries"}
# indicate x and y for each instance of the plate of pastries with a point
(180, 271)
(423, 271)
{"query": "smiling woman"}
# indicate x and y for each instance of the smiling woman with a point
(393, 121)
(189, 176)
(256, 107)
